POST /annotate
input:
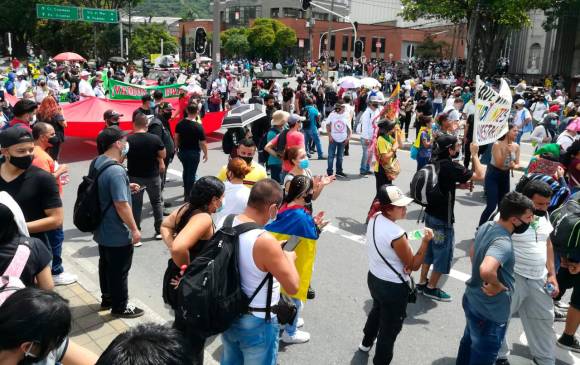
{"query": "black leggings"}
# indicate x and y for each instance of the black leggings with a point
(381, 179)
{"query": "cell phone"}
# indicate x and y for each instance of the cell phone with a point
(141, 188)
(291, 243)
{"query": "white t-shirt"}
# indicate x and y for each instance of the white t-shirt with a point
(530, 249)
(538, 110)
(339, 126)
(386, 231)
(565, 140)
(366, 122)
(235, 202)
(521, 116)
(469, 108)
(85, 89)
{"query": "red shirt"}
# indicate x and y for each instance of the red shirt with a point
(20, 123)
(293, 138)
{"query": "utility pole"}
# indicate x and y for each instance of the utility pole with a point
(328, 38)
(215, 42)
(121, 33)
(310, 46)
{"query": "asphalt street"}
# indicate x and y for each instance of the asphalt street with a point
(336, 316)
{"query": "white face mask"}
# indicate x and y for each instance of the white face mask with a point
(125, 149)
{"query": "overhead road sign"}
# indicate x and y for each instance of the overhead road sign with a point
(57, 12)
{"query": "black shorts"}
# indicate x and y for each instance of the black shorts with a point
(567, 281)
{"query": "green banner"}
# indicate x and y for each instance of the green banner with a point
(123, 91)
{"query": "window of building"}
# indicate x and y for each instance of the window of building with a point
(275, 13)
(374, 44)
(292, 13)
(534, 57)
(320, 16)
(344, 43)
(332, 42)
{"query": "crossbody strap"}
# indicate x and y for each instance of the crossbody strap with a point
(18, 263)
(385, 260)
(100, 170)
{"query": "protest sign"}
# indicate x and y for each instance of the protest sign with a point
(492, 110)
(123, 91)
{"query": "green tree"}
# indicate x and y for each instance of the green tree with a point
(270, 38)
(226, 34)
(146, 40)
(237, 45)
(431, 49)
(489, 24)
(261, 39)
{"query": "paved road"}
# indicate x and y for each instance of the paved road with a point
(335, 318)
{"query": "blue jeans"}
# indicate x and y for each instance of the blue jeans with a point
(291, 328)
(481, 339)
(497, 185)
(311, 134)
(251, 341)
(190, 160)
(440, 250)
(437, 108)
(335, 149)
(364, 160)
(56, 238)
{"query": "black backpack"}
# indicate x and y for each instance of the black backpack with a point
(566, 223)
(210, 295)
(425, 186)
(264, 141)
(306, 122)
(87, 213)
(165, 136)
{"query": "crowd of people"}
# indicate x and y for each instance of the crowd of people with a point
(268, 192)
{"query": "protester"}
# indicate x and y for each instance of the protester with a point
(439, 214)
(246, 151)
(24, 114)
(566, 138)
(274, 162)
(117, 231)
(50, 112)
(300, 164)
(147, 106)
(391, 259)
(339, 131)
(424, 141)
(385, 153)
(546, 131)
(40, 336)
(145, 164)
(287, 138)
(160, 127)
(259, 254)
(190, 142)
(41, 91)
(505, 158)
(368, 121)
(310, 129)
(488, 293)
(568, 278)
(522, 119)
(147, 344)
(236, 193)
(85, 88)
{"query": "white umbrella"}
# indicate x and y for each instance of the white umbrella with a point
(370, 82)
(349, 82)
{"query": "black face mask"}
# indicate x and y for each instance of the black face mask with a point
(540, 213)
(247, 159)
(22, 163)
(53, 141)
(423, 98)
(521, 228)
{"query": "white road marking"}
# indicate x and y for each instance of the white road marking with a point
(174, 172)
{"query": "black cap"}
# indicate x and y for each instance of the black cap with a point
(146, 97)
(387, 124)
(446, 141)
(24, 106)
(165, 105)
(110, 135)
(110, 113)
(14, 135)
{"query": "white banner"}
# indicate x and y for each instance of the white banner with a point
(492, 111)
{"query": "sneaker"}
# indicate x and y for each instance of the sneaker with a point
(299, 337)
(167, 204)
(436, 294)
(561, 305)
(560, 316)
(502, 362)
(300, 322)
(366, 344)
(569, 343)
(311, 294)
(341, 174)
(106, 305)
(138, 244)
(158, 236)
(130, 312)
(64, 278)
(421, 287)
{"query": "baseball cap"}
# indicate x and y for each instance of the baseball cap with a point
(85, 73)
(14, 135)
(110, 113)
(446, 141)
(110, 135)
(554, 108)
(520, 102)
(295, 118)
(165, 105)
(391, 194)
(457, 88)
(24, 106)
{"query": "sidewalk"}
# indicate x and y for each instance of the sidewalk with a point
(91, 328)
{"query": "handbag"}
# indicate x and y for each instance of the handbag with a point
(393, 169)
(411, 284)
(414, 152)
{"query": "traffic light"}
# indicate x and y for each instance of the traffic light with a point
(199, 41)
(305, 4)
(358, 48)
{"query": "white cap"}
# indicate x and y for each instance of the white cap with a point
(85, 73)
(391, 194)
(520, 102)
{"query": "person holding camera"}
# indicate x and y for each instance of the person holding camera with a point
(391, 260)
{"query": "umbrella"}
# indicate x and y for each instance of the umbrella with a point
(272, 74)
(68, 56)
(204, 59)
(243, 115)
(370, 82)
(349, 82)
(117, 59)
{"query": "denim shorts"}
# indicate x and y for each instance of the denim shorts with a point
(251, 341)
(440, 250)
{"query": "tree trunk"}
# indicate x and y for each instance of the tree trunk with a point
(472, 48)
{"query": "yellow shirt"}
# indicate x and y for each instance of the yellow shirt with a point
(258, 173)
(383, 146)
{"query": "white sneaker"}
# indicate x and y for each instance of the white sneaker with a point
(138, 244)
(64, 278)
(364, 348)
(299, 337)
(158, 236)
(300, 322)
(561, 305)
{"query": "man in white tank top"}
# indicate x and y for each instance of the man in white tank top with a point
(259, 254)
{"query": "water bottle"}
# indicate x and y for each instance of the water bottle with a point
(416, 234)
(550, 288)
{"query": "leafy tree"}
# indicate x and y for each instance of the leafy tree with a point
(146, 40)
(268, 38)
(237, 45)
(489, 23)
(261, 39)
(431, 49)
(226, 34)
(19, 18)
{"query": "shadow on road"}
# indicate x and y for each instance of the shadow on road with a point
(444, 361)
(351, 225)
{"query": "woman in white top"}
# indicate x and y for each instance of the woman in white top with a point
(300, 163)
(389, 285)
(236, 194)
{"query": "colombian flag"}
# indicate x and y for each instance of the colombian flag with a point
(297, 221)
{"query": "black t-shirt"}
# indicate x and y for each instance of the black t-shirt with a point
(55, 123)
(450, 173)
(35, 191)
(426, 109)
(142, 157)
(190, 134)
(40, 257)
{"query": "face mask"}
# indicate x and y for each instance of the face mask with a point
(113, 122)
(554, 122)
(29, 357)
(271, 220)
(53, 141)
(22, 163)
(248, 159)
(540, 213)
(125, 149)
(521, 228)
(33, 120)
(304, 164)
